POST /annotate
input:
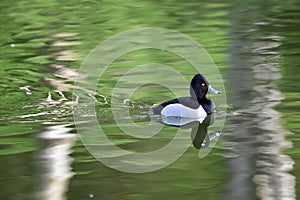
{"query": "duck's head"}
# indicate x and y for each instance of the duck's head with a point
(200, 86)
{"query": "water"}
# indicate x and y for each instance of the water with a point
(254, 44)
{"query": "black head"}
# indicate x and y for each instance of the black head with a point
(199, 87)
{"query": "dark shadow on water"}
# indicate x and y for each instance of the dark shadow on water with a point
(201, 138)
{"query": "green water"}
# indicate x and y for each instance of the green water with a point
(255, 46)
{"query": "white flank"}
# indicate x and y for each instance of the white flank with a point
(179, 110)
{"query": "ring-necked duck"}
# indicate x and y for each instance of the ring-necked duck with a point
(195, 106)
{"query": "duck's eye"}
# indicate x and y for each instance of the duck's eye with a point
(203, 84)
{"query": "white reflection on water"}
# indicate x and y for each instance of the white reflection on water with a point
(272, 178)
(54, 162)
(255, 138)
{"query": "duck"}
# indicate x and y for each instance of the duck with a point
(197, 105)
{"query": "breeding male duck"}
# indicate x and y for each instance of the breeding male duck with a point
(195, 106)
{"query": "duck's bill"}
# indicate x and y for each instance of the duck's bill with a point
(213, 91)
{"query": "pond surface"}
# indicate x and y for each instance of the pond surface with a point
(255, 155)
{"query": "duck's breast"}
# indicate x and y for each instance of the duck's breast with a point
(179, 110)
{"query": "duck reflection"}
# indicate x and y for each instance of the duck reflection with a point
(200, 137)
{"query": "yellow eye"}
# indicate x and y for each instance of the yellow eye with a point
(203, 84)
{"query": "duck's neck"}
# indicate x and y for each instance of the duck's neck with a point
(202, 100)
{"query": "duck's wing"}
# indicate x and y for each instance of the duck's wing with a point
(186, 101)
